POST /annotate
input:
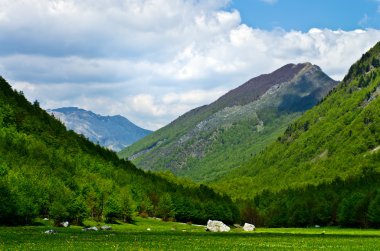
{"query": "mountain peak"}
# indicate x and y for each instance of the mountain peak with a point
(68, 109)
(114, 132)
(257, 86)
(208, 141)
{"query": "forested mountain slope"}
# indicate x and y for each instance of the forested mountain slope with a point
(209, 141)
(48, 171)
(112, 132)
(338, 138)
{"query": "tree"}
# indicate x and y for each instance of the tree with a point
(353, 210)
(374, 211)
(113, 209)
(165, 208)
(128, 206)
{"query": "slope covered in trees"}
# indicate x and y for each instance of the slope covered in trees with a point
(209, 141)
(327, 163)
(48, 171)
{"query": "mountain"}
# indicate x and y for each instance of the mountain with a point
(113, 132)
(48, 171)
(337, 138)
(209, 141)
(325, 168)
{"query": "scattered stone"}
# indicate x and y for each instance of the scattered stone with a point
(106, 228)
(317, 226)
(148, 229)
(90, 229)
(64, 224)
(249, 227)
(46, 219)
(237, 226)
(217, 226)
(50, 231)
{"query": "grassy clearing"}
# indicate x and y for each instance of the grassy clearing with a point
(176, 236)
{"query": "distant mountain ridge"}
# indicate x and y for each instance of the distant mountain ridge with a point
(114, 132)
(209, 141)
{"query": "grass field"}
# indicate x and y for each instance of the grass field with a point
(177, 236)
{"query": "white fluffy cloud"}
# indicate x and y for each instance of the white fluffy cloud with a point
(152, 60)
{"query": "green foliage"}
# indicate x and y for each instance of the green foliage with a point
(350, 203)
(165, 208)
(48, 171)
(374, 211)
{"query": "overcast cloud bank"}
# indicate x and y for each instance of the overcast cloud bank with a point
(152, 60)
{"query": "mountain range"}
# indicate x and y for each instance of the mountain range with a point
(113, 132)
(210, 141)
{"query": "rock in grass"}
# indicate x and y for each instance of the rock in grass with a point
(64, 224)
(217, 226)
(50, 231)
(106, 228)
(249, 227)
(90, 229)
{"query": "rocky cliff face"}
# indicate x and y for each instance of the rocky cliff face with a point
(113, 132)
(211, 140)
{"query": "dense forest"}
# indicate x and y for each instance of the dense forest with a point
(47, 171)
(354, 202)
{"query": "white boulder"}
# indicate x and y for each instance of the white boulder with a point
(217, 226)
(64, 224)
(106, 228)
(51, 231)
(249, 227)
(90, 229)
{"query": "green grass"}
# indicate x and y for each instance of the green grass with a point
(176, 236)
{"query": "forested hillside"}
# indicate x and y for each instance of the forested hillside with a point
(326, 164)
(209, 141)
(48, 171)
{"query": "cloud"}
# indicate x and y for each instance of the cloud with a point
(152, 60)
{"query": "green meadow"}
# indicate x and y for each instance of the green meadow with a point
(179, 236)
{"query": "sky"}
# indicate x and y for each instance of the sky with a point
(153, 60)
